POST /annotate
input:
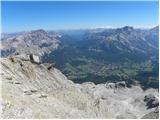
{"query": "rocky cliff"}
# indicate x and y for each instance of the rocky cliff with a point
(34, 90)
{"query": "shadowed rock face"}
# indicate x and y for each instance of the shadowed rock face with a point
(151, 101)
(30, 90)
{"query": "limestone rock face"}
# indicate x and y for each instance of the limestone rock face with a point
(32, 91)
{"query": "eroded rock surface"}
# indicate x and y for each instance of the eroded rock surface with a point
(30, 90)
(152, 115)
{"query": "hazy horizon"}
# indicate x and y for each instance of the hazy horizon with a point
(101, 27)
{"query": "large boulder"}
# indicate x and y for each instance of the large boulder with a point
(34, 58)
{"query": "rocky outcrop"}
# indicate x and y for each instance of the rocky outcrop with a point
(30, 90)
(151, 101)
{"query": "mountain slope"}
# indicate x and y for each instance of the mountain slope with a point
(37, 42)
(31, 90)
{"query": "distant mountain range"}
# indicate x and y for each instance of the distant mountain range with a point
(96, 55)
(36, 42)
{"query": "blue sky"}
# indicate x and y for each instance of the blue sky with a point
(19, 16)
